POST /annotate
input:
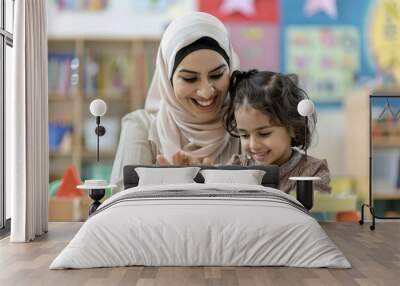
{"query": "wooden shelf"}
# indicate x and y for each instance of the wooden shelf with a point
(73, 107)
(55, 97)
(386, 142)
(109, 98)
(93, 154)
(59, 154)
(386, 196)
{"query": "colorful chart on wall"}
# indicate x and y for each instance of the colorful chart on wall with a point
(385, 36)
(325, 59)
(354, 13)
(257, 45)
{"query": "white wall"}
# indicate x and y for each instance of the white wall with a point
(329, 141)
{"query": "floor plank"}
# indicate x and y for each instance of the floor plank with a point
(374, 255)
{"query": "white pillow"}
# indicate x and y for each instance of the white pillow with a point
(248, 177)
(164, 176)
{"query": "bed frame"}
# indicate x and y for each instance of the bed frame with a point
(270, 179)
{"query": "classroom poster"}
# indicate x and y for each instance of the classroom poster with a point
(257, 45)
(326, 59)
(350, 13)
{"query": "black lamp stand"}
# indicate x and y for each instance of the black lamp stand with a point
(305, 193)
(100, 131)
(305, 135)
(97, 194)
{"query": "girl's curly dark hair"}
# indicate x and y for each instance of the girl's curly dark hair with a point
(275, 95)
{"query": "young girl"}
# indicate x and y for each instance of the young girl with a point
(262, 111)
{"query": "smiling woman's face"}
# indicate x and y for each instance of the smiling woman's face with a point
(201, 82)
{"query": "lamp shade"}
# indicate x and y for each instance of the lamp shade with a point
(98, 107)
(305, 107)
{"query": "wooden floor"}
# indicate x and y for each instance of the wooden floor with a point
(374, 255)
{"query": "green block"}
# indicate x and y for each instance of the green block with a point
(333, 202)
(53, 188)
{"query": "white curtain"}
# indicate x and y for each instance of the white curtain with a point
(26, 119)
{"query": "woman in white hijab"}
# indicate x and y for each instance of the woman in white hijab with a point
(182, 119)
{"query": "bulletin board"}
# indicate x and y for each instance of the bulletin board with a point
(326, 59)
(274, 24)
(354, 13)
(257, 45)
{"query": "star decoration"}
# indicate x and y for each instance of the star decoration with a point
(245, 7)
(314, 6)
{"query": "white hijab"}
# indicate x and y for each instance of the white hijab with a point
(173, 128)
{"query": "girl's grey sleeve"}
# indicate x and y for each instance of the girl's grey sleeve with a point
(133, 147)
(320, 169)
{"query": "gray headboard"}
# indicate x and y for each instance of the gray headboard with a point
(270, 179)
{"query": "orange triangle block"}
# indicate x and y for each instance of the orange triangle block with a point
(69, 182)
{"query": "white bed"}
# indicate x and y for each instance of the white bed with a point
(222, 225)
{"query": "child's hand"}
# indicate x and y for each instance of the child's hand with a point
(208, 161)
(162, 161)
(182, 158)
(179, 159)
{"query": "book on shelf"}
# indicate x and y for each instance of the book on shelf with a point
(80, 5)
(106, 74)
(60, 72)
(59, 139)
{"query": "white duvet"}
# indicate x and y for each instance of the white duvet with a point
(207, 230)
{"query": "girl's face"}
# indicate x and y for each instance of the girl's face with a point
(264, 142)
(201, 82)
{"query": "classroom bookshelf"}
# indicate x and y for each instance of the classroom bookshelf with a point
(118, 71)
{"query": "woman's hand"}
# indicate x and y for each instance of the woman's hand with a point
(181, 158)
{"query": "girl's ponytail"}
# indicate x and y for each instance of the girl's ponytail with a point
(236, 77)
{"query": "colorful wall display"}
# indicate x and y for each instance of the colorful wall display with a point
(326, 59)
(257, 45)
(354, 13)
(260, 32)
(384, 37)
(254, 30)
